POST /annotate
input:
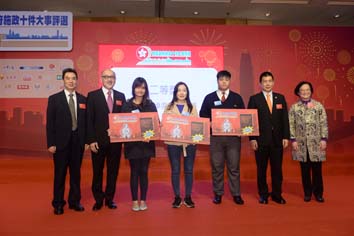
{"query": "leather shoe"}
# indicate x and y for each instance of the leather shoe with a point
(279, 200)
(217, 199)
(58, 210)
(238, 200)
(97, 206)
(319, 199)
(307, 198)
(77, 207)
(263, 200)
(111, 205)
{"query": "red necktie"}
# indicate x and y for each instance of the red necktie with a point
(223, 97)
(110, 101)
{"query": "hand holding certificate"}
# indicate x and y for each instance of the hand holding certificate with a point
(131, 127)
(185, 129)
(235, 122)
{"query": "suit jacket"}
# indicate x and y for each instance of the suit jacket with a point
(136, 150)
(97, 115)
(308, 126)
(273, 127)
(59, 124)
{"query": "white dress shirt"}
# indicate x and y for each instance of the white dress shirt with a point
(67, 93)
(219, 93)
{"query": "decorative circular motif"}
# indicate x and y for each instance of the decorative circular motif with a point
(117, 55)
(329, 74)
(294, 35)
(84, 63)
(344, 57)
(316, 49)
(322, 92)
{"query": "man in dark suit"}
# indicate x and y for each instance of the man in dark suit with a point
(224, 149)
(274, 134)
(100, 103)
(66, 115)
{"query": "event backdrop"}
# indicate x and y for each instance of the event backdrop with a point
(322, 55)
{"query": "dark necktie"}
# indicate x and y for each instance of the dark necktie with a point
(72, 111)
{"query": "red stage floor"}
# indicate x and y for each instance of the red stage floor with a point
(26, 192)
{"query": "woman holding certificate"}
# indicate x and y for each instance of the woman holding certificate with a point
(139, 153)
(181, 105)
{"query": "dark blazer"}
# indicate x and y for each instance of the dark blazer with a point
(97, 115)
(272, 126)
(59, 120)
(135, 150)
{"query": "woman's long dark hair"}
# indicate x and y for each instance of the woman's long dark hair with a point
(174, 99)
(139, 82)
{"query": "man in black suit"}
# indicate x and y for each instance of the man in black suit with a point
(274, 134)
(66, 116)
(224, 149)
(100, 103)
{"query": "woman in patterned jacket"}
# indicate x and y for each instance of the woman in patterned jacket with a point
(309, 134)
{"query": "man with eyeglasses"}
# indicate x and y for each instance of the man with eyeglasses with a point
(100, 103)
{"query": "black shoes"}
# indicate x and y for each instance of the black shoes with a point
(319, 199)
(58, 210)
(77, 207)
(217, 199)
(279, 200)
(238, 200)
(111, 205)
(97, 206)
(307, 198)
(177, 202)
(263, 200)
(188, 202)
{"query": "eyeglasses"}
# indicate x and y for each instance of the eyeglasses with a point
(108, 77)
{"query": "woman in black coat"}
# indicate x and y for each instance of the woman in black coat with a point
(139, 153)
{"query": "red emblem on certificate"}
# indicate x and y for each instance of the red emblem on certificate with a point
(235, 122)
(185, 129)
(131, 127)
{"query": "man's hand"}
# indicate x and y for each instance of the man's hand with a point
(52, 149)
(285, 143)
(87, 147)
(94, 147)
(254, 145)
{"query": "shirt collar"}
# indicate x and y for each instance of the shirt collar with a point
(105, 91)
(265, 93)
(227, 91)
(67, 93)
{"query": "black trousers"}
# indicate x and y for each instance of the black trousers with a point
(70, 157)
(110, 154)
(274, 155)
(139, 174)
(314, 185)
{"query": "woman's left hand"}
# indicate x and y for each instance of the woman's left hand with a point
(323, 145)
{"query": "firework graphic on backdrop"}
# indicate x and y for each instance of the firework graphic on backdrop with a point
(208, 37)
(350, 75)
(141, 37)
(344, 57)
(316, 50)
(295, 36)
(267, 55)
